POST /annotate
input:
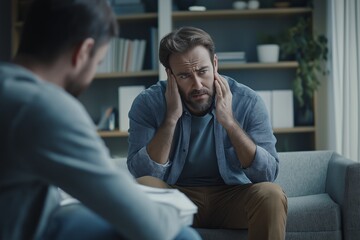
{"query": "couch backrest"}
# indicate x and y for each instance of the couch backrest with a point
(300, 173)
(303, 173)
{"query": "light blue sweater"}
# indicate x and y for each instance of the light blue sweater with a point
(47, 139)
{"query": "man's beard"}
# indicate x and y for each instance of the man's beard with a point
(196, 107)
(74, 87)
(74, 90)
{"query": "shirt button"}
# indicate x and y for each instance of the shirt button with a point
(184, 150)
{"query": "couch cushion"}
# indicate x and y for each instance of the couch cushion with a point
(303, 173)
(309, 217)
(313, 213)
(227, 234)
(222, 234)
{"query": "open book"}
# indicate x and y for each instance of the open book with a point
(175, 198)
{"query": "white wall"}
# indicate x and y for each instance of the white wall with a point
(325, 137)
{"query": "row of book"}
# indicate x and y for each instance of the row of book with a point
(231, 57)
(124, 55)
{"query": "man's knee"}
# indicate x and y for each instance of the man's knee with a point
(273, 196)
(152, 182)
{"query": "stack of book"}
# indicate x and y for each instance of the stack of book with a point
(231, 57)
(124, 55)
(123, 7)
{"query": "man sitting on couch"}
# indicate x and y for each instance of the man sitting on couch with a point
(210, 137)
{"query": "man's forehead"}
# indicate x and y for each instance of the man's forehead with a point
(197, 56)
(191, 68)
(194, 64)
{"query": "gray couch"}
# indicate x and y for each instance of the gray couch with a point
(323, 190)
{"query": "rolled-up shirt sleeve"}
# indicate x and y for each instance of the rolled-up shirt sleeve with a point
(265, 164)
(142, 165)
(144, 120)
(264, 167)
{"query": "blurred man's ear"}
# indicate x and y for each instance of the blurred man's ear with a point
(82, 53)
(215, 63)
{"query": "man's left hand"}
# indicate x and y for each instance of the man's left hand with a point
(224, 111)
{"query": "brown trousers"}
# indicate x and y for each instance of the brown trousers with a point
(261, 208)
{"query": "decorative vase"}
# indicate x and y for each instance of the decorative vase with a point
(304, 116)
(253, 4)
(268, 53)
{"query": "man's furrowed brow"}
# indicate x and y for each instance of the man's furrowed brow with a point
(203, 68)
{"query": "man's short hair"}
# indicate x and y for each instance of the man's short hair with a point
(55, 26)
(182, 40)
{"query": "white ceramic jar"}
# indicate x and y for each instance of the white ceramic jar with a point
(253, 4)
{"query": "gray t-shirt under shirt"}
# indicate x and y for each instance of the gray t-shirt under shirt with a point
(201, 166)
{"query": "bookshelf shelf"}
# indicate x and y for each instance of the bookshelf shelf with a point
(111, 134)
(116, 133)
(183, 15)
(257, 65)
(144, 73)
(137, 17)
(295, 130)
(188, 15)
(124, 18)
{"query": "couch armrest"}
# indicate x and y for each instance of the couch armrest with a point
(343, 186)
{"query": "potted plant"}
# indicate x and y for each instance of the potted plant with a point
(268, 49)
(310, 52)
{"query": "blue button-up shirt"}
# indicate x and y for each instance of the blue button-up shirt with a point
(148, 112)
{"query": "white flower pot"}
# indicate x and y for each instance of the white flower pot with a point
(268, 53)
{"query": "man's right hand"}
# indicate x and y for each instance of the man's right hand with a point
(173, 100)
(159, 147)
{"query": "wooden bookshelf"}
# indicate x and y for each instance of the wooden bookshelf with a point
(137, 17)
(112, 134)
(117, 133)
(124, 18)
(294, 130)
(262, 12)
(257, 65)
(222, 66)
(144, 73)
(257, 15)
